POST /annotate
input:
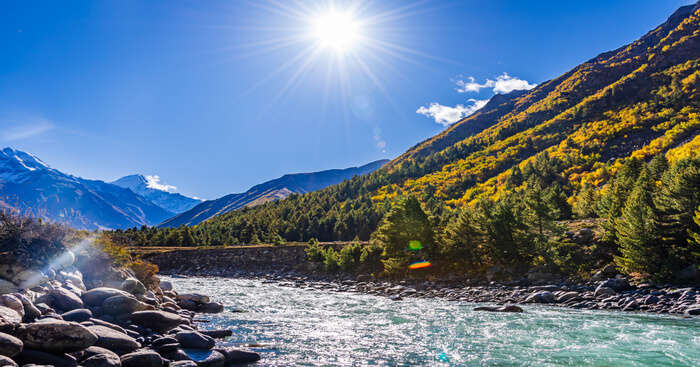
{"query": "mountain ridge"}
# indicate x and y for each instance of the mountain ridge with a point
(171, 201)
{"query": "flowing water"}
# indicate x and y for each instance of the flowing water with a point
(306, 327)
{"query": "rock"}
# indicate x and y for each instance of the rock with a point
(9, 345)
(194, 297)
(65, 299)
(568, 296)
(7, 287)
(692, 310)
(142, 358)
(95, 296)
(7, 362)
(11, 301)
(55, 336)
(651, 300)
(133, 286)
(615, 284)
(177, 355)
(194, 340)
(99, 357)
(217, 334)
(540, 297)
(630, 306)
(604, 292)
(9, 316)
(507, 308)
(159, 321)
(237, 356)
(166, 285)
(31, 356)
(77, 315)
(120, 304)
(211, 307)
(183, 364)
(207, 358)
(31, 312)
(164, 340)
(113, 340)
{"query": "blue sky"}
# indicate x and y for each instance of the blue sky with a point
(216, 96)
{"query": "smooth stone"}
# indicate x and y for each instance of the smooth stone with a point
(217, 334)
(133, 286)
(207, 358)
(7, 287)
(7, 362)
(9, 316)
(11, 301)
(507, 308)
(77, 315)
(168, 348)
(65, 299)
(238, 356)
(142, 358)
(163, 340)
(194, 297)
(177, 355)
(28, 356)
(95, 296)
(55, 336)
(113, 340)
(540, 297)
(692, 310)
(120, 304)
(211, 307)
(194, 340)
(183, 364)
(166, 285)
(615, 284)
(159, 321)
(604, 291)
(9, 345)
(31, 312)
(102, 360)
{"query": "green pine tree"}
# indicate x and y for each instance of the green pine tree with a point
(462, 237)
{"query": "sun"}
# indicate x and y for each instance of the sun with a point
(336, 30)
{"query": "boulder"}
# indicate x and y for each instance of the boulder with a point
(7, 362)
(142, 358)
(121, 304)
(163, 341)
(113, 340)
(159, 321)
(507, 308)
(7, 287)
(237, 356)
(9, 316)
(166, 285)
(55, 336)
(11, 301)
(31, 356)
(692, 310)
(602, 292)
(194, 340)
(64, 261)
(133, 286)
(207, 358)
(194, 297)
(568, 296)
(9, 345)
(105, 359)
(217, 334)
(211, 307)
(95, 296)
(77, 315)
(615, 284)
(183, 364)
(31, 312)
(606, 272)
(540, 297)
(65, 299)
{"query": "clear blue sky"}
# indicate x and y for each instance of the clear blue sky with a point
(216, 96)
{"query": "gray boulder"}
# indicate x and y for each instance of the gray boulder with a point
(692, 310)
(77, 315)
(133, 286)
(183, 364)
(120, 304)
(159, 321)
(166, 285)
(11, 301)
(102, 360)
(208, 358)
(55, 336)
(602, 292)
(31, 312)
(7, 362)
(65, 299)
(507, 308)
(31, 356)
(540, 297)
(615, 284)
(237, 356)
(142, 358)
(211, 307)
(95, 296)
(9, 345)
(113, 340)
(194, 297)
(194, 340)
(7, 287)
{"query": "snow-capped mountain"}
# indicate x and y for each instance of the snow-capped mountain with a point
(32, 187)
(149, 188)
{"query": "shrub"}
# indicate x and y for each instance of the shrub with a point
(314, 252)
(350, 257)
(146, 273)
(330, 259)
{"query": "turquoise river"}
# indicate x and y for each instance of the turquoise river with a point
(306, 327)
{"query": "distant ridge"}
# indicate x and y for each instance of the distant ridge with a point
(279, 188)
(171, 201)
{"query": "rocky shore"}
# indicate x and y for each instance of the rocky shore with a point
(605, 292)
(83, 311)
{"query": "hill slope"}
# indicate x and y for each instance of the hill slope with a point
(280, 188)
(32, 187)
(170, 201)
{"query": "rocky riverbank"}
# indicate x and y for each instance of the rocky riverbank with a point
(614, 293)
(83, 311)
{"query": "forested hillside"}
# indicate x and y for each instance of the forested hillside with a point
(578, 146)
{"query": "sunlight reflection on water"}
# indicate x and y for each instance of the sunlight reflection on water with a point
(307, 327)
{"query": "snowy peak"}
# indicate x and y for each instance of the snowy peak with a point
(160, 194)
(16, 165)
(133, 182)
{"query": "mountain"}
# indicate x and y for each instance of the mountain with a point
(637, 101)
(32, 187)
(280, 188)
(173, 202)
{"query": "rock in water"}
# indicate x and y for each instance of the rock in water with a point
(143, 358)
(207, 358)
(194, 340)
(95, 296)
(194, 297)
(9, 345)
(56, 336)
(507, 308)
(237, 356)
(211, 307)
(217, 334)
(160, 321)
(30, 356)
(114, 340)
(65, 299)
(7, 362)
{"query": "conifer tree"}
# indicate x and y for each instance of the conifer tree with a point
(461, 238)
(585, 201)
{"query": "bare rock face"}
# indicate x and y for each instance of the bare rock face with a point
(159, 321)
(55, 336)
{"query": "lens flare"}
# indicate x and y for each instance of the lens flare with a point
(419, 265)
(415, 245)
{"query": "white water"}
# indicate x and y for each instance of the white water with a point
(319, 328)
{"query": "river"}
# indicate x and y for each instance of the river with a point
(307, 327)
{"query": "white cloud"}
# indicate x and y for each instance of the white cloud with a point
(503, 84)
(153, 182)
(26, 130)
(446, 115)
